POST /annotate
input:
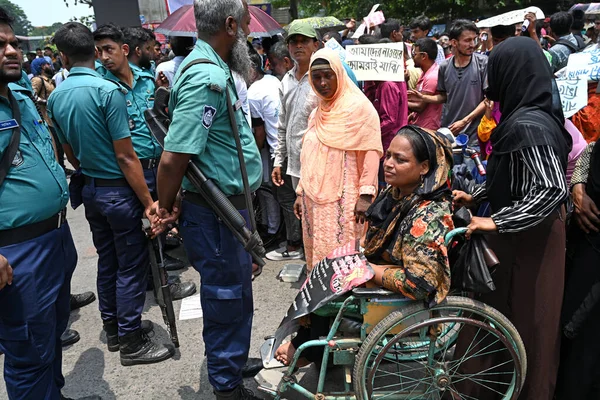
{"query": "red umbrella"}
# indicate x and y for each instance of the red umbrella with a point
(262, 24)
(180, 23)
(183, 23)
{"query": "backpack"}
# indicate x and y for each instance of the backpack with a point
(573, 47)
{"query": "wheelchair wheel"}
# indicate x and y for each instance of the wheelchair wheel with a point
(394, 363)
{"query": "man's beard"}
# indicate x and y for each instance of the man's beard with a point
(145, 62)
(239, 59)
(8, 77)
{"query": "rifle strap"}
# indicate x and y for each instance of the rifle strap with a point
(15, 140)
(238, 143)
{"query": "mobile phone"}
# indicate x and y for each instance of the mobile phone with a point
(484, 37)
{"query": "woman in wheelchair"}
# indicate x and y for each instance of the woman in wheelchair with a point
(407, 225)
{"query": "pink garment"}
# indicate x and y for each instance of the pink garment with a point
(326, 227)
(391, 102)
(431, 116)
(579, 144)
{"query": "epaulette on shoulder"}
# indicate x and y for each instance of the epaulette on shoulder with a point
(216, 88)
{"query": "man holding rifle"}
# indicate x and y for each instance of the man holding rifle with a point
(201, 131)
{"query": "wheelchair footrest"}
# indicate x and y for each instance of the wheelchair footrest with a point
(268, 381)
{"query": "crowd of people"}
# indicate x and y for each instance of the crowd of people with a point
(343, 160)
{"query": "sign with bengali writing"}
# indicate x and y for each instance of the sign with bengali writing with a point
(573, 95)
(335, 46)
(510, 18)
(377, 62)
(585, 65)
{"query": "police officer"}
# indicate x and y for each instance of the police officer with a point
(96, 138)
(201, 130)
(124, 57)
(37, 253)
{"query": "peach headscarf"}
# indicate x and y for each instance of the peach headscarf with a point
(346, 122)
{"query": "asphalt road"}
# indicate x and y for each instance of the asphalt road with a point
(90, 369)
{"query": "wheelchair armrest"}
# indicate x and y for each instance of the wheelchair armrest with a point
(373, 292)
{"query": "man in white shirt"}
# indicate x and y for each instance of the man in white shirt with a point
(181, 47)
(264, 102)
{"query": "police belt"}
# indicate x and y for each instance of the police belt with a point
(98, 182)
(28, 232)
(238, 201)
(150, 163)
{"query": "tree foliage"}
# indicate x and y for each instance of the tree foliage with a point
(21, 25)
(45, 30)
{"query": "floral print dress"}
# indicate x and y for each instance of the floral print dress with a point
(409, 233)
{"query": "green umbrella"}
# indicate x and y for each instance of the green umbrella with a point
(325, 23)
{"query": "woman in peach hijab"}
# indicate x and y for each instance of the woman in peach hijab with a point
(339, 160)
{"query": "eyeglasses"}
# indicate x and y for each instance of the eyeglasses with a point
(414, 53)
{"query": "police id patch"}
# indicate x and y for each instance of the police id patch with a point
(208, 116)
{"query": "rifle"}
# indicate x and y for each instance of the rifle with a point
(157, 120)
(162, 292)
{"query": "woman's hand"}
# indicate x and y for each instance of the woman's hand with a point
(489, 106)
(586, 212)
(462, 199)
(298, 208)
(479, 224)
(362, 205)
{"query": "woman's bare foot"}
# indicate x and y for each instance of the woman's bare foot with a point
(285, 354)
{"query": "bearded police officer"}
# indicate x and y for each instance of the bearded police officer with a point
(201, 131)
(37, 253)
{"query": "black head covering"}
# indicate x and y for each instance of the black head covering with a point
(521, 80)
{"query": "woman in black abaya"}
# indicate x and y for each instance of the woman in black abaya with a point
(526, 187)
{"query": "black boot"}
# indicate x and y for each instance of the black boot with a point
(111, 327)
(182, 290)
(137, 348)
(112, 332)
(69, 337)
(81, 300)
(239, 393)
(172, 263)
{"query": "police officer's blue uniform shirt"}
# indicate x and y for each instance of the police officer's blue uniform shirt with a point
(200, 123)
(35, 188)
(93, 112)
(139, 98)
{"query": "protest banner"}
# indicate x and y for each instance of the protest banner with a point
(343, 270)
(584, 65)
(335, 46)
(377, 62)
(573, 95)
(510, 18)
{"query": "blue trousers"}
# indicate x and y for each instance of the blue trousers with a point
(115, 218)
(34, 312)
(225, 294)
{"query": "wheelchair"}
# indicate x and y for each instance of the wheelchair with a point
(401, 349)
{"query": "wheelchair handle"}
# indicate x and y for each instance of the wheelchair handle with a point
(450, 235)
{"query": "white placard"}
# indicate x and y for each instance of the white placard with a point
(510, 18)
(190, 308)
(377, 62)
(338, 48)
(585, 65)
(573, 95)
